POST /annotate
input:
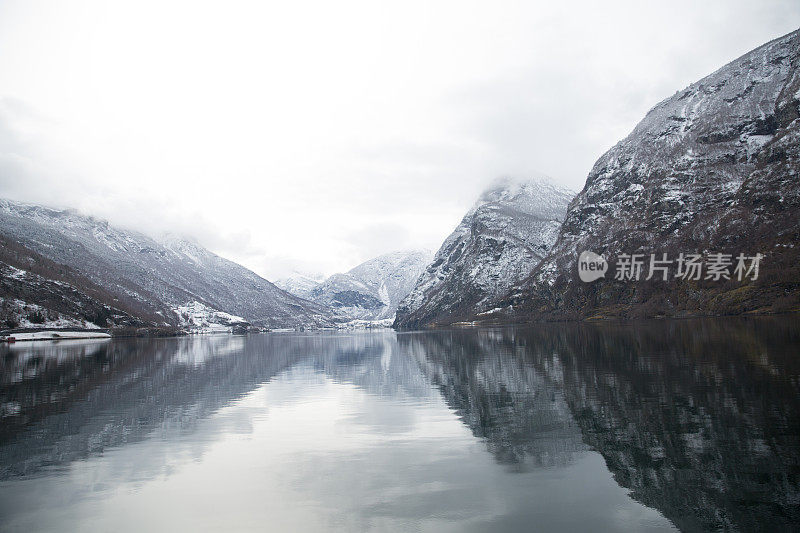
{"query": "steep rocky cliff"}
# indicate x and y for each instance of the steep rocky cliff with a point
(497, 244)
(712, 169)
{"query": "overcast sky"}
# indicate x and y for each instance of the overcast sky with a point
(316, 135)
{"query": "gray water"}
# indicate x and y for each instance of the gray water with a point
(690, 425)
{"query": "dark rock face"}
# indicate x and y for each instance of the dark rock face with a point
(497, 244)
(355, 299)
(154, 278)
(713, 168)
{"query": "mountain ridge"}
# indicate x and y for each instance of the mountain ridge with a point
(159, 276)
(712, 168)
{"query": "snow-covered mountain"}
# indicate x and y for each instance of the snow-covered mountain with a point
(497, 244)
(300, 283)
(369, 291)
(153, 278)
(36, 292)
(713, 168)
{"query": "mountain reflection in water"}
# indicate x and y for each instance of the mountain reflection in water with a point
(688, 424)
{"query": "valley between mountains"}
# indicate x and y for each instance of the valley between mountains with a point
(712, 169)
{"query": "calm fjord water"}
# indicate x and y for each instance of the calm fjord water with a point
(693, 425)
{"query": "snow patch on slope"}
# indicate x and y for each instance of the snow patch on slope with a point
(200, 318)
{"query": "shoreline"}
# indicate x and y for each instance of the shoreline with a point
(53, 335)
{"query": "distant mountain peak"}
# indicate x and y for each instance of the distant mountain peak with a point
(369, 291)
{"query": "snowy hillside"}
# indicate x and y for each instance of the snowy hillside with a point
(38, 293)
(199, 318)
(157, 276)
(497, 244)
(713, 168)
(299, 283)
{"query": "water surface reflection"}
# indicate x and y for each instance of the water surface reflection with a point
(650, 426)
